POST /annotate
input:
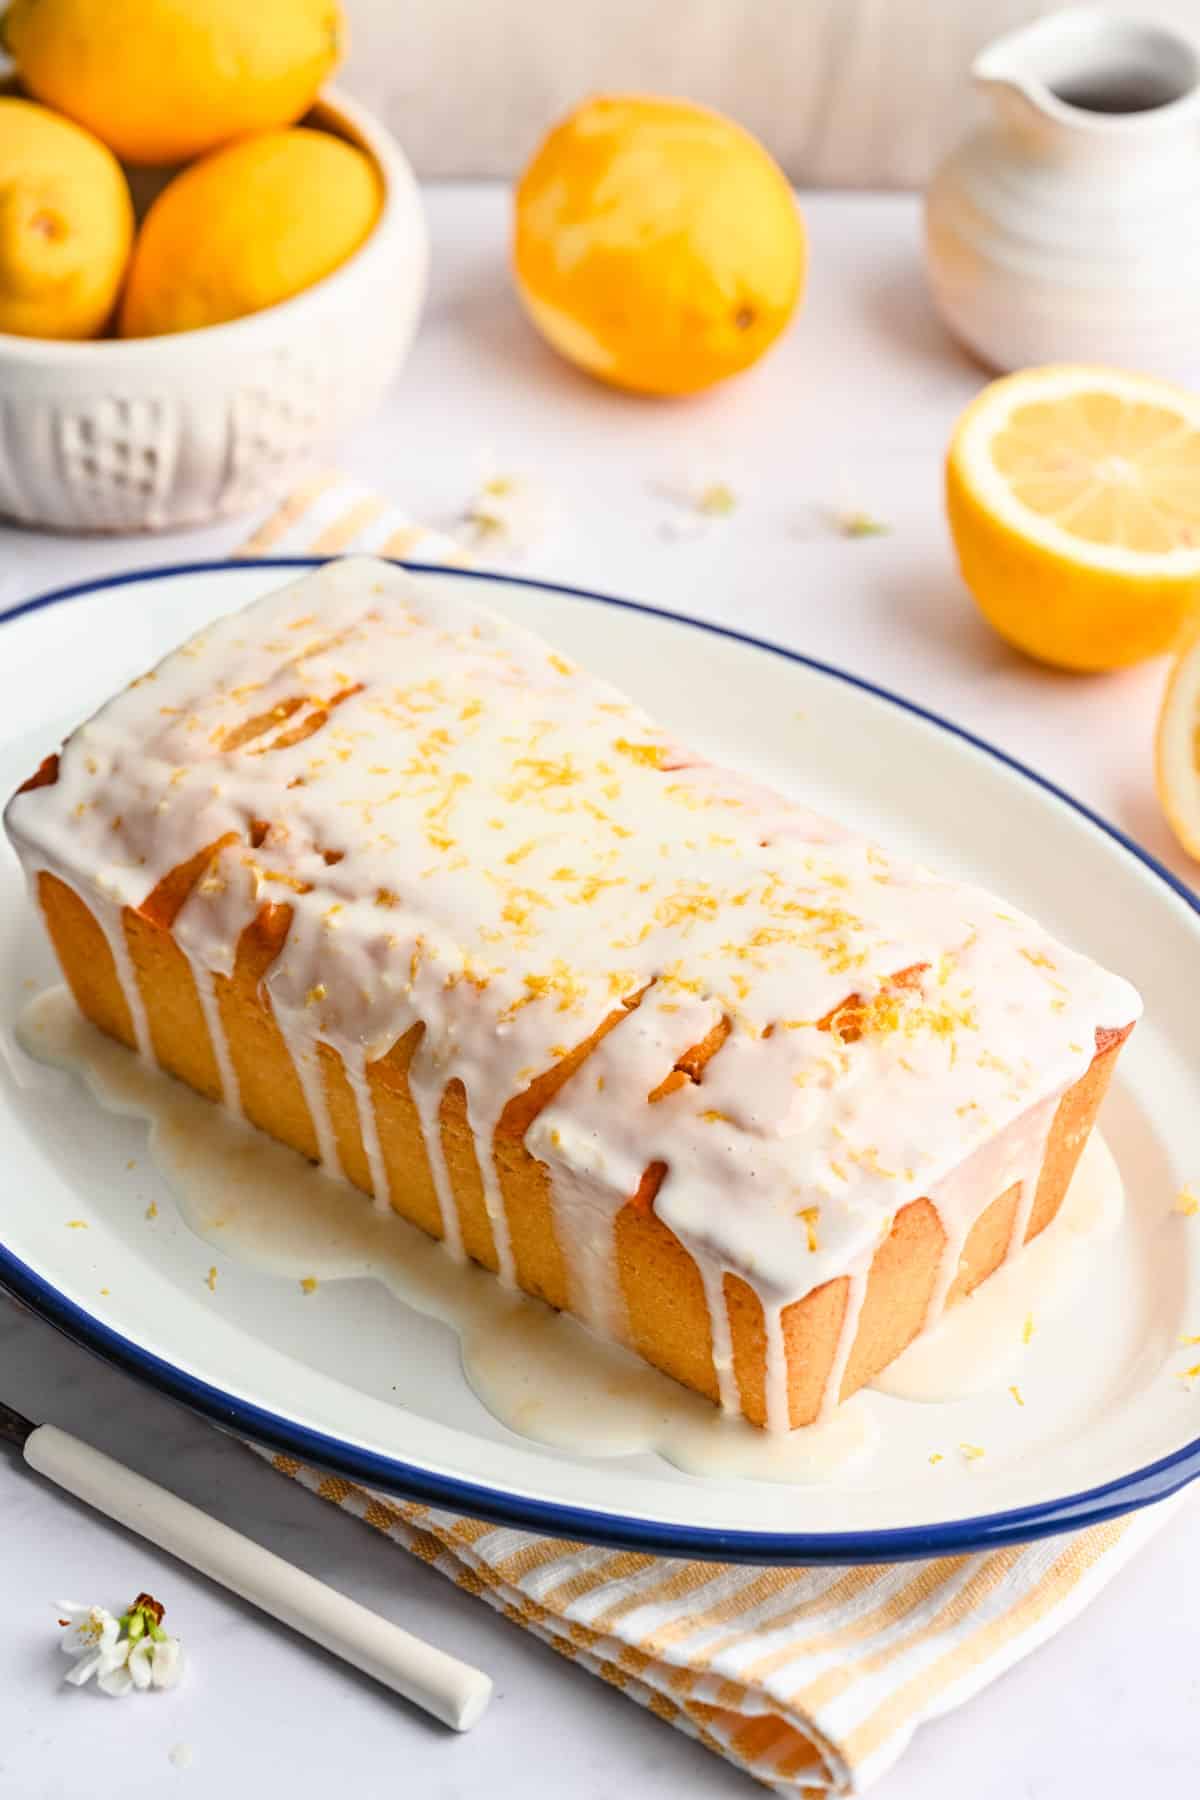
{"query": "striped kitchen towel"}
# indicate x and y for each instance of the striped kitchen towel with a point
(330, 515)
(812, 1680)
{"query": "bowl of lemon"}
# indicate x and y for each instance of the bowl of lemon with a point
(210, 263)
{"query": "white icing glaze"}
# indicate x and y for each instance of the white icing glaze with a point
(206, 993)
(1040, 1125)
(427, 1099)
(493, 1199)
(311, 1077)
(1013, 1156)
(775, 1373)
(355, 1064)
(111, 922)
(856, 1293)
(722, 1341)
(471, 833)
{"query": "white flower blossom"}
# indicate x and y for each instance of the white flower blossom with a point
(165, 1657)
(132, 1653)
(155, 1662)
(92, 1638)
(114, 1679)
(89, 1629)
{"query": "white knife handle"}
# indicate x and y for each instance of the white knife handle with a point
(451, 1690)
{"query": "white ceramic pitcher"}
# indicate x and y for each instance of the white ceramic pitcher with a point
(1067, 229)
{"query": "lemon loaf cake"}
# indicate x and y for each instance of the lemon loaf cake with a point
(408, 890)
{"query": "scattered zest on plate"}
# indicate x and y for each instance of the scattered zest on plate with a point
(127, 1654)
(1073, 496)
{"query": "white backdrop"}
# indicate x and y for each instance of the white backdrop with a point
(855, 93)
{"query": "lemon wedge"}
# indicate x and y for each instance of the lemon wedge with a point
(1177, 744)
(1073, 496)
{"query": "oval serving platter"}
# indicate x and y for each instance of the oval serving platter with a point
(365, 1387)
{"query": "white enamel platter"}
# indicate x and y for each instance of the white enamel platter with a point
(361, 1385)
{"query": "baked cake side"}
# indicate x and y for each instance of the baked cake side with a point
(417, 896)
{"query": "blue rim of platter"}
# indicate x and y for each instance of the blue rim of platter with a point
(244, 1419)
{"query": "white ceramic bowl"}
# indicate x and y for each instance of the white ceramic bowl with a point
(146, 434)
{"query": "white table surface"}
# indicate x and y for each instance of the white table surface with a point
(853, 409)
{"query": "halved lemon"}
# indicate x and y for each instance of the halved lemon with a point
(1074, 502)
(1177, 744)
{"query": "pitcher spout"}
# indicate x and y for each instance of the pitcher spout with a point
(1086, 73)
(1021, 100)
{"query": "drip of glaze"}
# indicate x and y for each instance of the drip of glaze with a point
(112, 923)
(728, 1398)
(775, 1373)
(595, 1290)
(427, 1100)
(1042, 1123)
(311, 1076)
(206, 993)
(493, 1200)
(996, 1167)
(355, 1066)
(856, 1294)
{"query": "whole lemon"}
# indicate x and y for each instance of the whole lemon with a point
(656, 244)
(247, 227)
(160, 81)
(66, 224)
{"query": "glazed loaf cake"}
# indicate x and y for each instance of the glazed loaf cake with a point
(416, 895)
